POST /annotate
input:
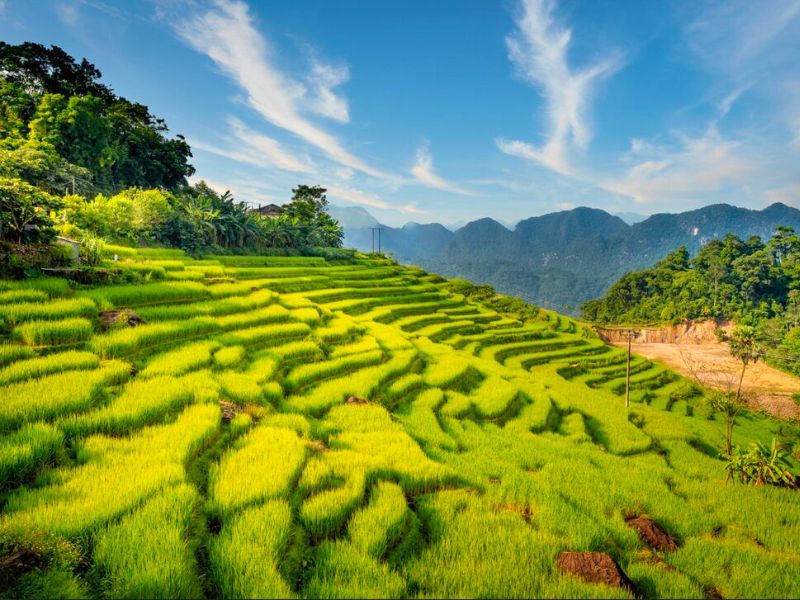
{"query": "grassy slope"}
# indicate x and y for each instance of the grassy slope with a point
(487, 446)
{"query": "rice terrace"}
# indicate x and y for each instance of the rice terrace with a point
(287, 426)
(316, 299)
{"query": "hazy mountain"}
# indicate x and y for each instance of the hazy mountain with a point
(561, 259)
(631, 218)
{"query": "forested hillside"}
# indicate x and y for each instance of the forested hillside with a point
(755, 283)
(562, 259)
(80, 161)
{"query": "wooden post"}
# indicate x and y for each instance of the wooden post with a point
(628, 372)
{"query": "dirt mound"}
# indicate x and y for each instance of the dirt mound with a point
(594, 567)
(120, 318)
(229, 410)
(653, 534)
(355, 400)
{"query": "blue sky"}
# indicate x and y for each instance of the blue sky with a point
(451, 110)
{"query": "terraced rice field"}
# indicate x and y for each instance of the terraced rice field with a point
(212, 451)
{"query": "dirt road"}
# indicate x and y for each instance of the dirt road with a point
(766, 387)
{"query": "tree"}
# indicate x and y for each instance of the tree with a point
(307, 211)
(24, 211)
(744, 346)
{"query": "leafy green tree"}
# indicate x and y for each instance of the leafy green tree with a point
(744, 345)
(307, 211)
(24, 211)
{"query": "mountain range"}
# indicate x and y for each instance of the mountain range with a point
(561, 259)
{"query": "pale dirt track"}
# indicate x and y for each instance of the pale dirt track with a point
(766, 387)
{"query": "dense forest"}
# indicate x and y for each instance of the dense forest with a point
(752, 282)
(80, 161)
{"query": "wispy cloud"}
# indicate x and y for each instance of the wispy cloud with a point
(250, 147)
(323, 100)
(424, 173)
(538, 49)
(694, 169)
(227, 35)
(349, 194)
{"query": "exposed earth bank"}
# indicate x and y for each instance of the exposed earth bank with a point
(692, 350)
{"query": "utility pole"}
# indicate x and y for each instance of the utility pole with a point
(631, 334)
(374, 229)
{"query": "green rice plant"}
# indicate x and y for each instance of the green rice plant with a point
(272, 392)
(245, 557)
(221, 307)
(266, 335)
(262, 465)
(113, 476)
(379, 526)
(144, 401)
(494, 396)
(242, 388)
(53, 333)
(54, 396)
(457, 405)
(365, 344)
(22, 295)
(148, 554)
(306, 349)
(308, 374)
(183, 276)
(263, 366)
(421, 422)
(52, 286)
(123, 342)
(338, 329)
(21, 312)
(23, 452)
(362, 383)
(181, 360)
(10, 353)
(145, 271)
(295, 422)
(262, 316)
(308, 315)
(31, 368)
(404, 385)
(230, 357)
(128, 296)
(388, 338)
(342, 571)
(450, 371)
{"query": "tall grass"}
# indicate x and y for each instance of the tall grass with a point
(23, 452)
(53, 333)
(144, 401)
(246, 556)
(182, 360)
(124, 296)
(20, 312)
(56, 395)
(72, 360)
(148, 554)
(113, 476)
(123, 342)
(261, 466)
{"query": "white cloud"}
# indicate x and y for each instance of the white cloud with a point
(226, 34)
(323, 101)
(788, 195)
(68, 13)
(252, 148)
(424, 173)
(696, 168)
(349, 194)
(538, 49)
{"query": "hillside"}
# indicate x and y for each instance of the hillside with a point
(280, 426)
(562, 259)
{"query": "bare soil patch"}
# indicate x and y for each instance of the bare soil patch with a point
(594, 567)
(765, 387)
(653, 534)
